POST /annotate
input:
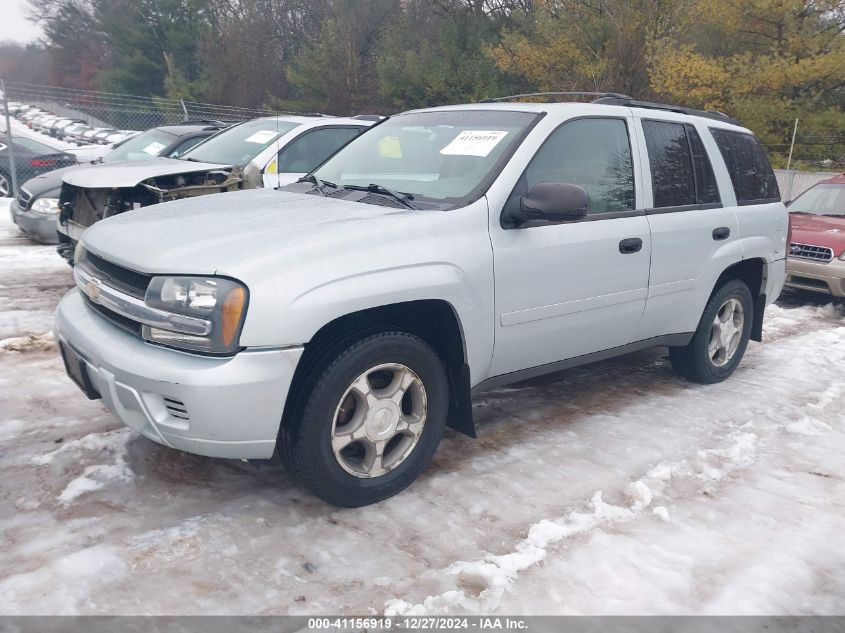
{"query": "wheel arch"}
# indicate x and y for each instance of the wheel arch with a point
(434, 320)
(754, 272)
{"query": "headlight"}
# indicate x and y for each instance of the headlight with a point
(47, 206)
(219, 301)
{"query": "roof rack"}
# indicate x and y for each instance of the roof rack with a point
(633, 103)
(609, 95)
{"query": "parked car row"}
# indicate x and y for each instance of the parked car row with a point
(66, 129)
(36, 208)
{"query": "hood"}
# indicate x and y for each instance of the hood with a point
(49, 184)
(237, 233)
(819, 230)
(129, 174)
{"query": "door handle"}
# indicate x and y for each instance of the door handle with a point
(722, 233)
(630, 245)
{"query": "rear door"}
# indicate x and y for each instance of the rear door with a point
(691, 213)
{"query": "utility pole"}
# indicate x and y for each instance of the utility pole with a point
(12, 164)
(789, 160)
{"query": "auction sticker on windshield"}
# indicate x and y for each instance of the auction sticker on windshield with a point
(473, 143)
(153, 148)
(262, 136)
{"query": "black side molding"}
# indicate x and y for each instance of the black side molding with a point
(668, 340)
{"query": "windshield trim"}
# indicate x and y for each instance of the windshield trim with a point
(485, 183)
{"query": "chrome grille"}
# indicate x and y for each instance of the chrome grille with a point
(176, 408)
(24, 198)
(813, 253)
(124, 279)
(128, 325)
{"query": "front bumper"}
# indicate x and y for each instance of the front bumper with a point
(37, 226)
(232, 406)
(827, 278)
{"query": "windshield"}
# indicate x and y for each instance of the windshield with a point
(434, 156)
(240, 144)
(144, 146)
(821, 200)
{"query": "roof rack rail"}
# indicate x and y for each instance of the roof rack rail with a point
(633, 103)
(613, 95)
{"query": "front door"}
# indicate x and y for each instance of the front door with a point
(568, 289)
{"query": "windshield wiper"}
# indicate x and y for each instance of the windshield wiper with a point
(403, 198)
(320, 183)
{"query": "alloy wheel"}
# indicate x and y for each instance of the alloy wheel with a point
(379, 420)
(726, 332)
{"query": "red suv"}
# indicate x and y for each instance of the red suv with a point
(816, 258)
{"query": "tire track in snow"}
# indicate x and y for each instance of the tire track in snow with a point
(481, 584)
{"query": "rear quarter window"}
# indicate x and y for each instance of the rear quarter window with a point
(751, 174)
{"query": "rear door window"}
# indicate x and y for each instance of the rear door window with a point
(705, 180)
(672, 179)
(751, 174)
(681, 173)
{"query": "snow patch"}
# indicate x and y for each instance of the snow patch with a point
(63, 586)
(110, 441)
(481, 584)
(639, 493)
(661, 513)
(808, 426)
(28, 343)
(95, 476)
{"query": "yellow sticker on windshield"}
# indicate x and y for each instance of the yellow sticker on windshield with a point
(389, 147)
(272, 167)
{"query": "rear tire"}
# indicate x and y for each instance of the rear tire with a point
(719, 342)
(372, 421)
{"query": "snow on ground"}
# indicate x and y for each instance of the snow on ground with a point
(32, 279)
(611, 489)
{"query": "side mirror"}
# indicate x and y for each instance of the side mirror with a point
(555, 202)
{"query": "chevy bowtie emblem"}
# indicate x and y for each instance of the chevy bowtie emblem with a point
(92, 288)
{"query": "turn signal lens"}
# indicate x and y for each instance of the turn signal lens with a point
(233, 308)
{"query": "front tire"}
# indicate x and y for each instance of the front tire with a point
(719, 342)
(372, 421)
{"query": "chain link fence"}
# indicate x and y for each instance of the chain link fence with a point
(48, 127)
(793, 183)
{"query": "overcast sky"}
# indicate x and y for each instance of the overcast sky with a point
(13, 22)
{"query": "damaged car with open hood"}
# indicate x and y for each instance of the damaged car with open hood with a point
(265, 152)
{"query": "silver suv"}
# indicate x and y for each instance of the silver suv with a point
(347, 319)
